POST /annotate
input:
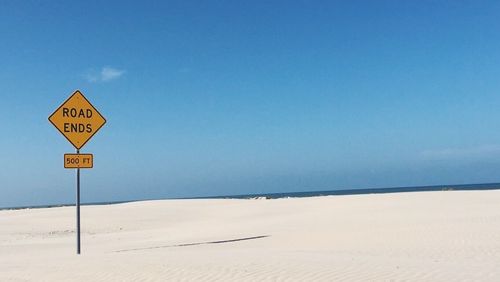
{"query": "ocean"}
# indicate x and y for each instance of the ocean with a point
(459, 187)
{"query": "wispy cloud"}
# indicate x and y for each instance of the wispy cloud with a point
(479, 152)
(106, 74)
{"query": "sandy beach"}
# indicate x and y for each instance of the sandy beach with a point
(424, 236)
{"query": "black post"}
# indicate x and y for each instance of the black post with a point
(78, 208)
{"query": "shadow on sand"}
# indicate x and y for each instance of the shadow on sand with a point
(195, 244)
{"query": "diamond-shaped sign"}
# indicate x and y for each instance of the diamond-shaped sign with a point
(77, 119)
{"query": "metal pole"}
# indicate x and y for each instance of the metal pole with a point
(78, 208)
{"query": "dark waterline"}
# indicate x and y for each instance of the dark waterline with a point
(460, 187)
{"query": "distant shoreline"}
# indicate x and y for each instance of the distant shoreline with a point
(340, 192)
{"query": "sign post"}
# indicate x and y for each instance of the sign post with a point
(78, 208)
(78, 121)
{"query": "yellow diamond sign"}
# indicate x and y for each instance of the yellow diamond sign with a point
(77, 119)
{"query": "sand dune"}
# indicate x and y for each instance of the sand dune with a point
(428, 236)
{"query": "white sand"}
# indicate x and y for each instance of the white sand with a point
(428, 236)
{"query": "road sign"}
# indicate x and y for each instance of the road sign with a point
(77, 119)
(78, 160)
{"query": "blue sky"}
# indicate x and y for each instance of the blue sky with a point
(232, 97)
